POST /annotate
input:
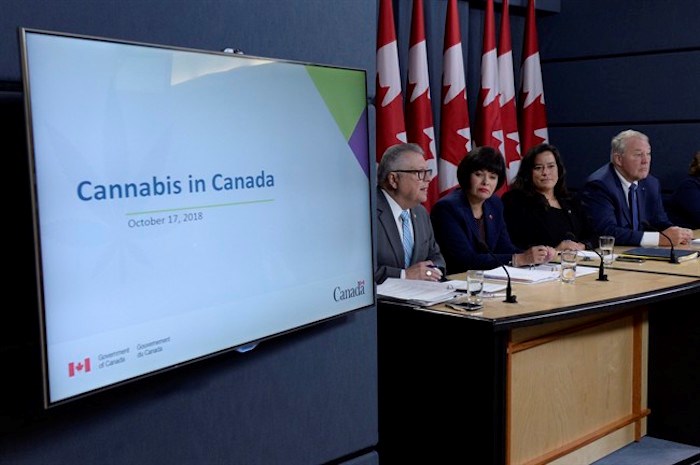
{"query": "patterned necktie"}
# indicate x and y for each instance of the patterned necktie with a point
(407, 238)
(634, 208)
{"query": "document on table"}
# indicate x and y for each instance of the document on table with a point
(489, 288)
(417, 292)
(535, 274)
(427, 293)
(587, 255)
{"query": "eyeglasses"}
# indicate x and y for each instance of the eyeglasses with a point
(421, 174)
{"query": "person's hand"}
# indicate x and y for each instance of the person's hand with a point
(551, 254)
(536, 255)
(424, 271)
(570, 245)
(678, 235)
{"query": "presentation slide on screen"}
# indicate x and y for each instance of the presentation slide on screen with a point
(190, 202)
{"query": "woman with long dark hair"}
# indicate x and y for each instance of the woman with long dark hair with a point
(539, 209)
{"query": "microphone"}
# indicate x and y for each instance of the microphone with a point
(510, 298)
(601, 267)
(671, 256)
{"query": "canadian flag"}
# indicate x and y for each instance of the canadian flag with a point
(506, 87)
(79, 367)
(455, 133)
(489, 129)
(419, 112)
(531, 108)
(391, 128)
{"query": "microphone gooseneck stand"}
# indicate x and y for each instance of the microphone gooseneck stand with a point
(672, 255)
(510, 297)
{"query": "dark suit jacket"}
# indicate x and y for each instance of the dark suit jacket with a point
(606, 205)
(390, 256)
(458, 234)
(685, 203)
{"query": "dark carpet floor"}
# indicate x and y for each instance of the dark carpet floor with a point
(652, 451)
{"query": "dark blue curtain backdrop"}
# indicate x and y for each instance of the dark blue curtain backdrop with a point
(606, 66)
(610, 66)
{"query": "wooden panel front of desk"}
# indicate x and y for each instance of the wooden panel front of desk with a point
(576, 390)
(516, 385)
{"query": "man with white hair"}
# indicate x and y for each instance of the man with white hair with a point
(623, 200)
(406, 246)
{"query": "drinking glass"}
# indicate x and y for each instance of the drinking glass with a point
(607, 245)
(568, 266)
(475, 284)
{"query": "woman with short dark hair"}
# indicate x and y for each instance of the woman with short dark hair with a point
(468, 222)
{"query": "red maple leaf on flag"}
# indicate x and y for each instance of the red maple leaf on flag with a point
(419, 112)
(79, 367)
(531, 107)
(489, 129)
(390, 125)
(506, 87)
(455, 133)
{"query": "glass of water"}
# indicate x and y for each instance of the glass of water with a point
(607, 245)
(568, 266)
(475, 284)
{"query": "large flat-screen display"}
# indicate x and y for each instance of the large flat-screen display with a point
(188, 202)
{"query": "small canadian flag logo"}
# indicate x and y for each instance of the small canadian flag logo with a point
(79, 367)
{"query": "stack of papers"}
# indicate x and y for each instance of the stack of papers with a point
(427, 293)
(416, 292)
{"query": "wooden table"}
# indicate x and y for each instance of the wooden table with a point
(559, 377)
